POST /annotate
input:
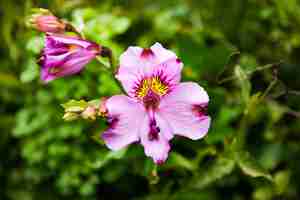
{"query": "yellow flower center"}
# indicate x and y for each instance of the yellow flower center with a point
(154, 84)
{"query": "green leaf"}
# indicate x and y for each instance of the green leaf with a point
(250, 166)
(9, 80)
(31, 72)
(220, 168)
(104, 159)
(178, 160)
(282, 180)
(222, 127)
(35, 44)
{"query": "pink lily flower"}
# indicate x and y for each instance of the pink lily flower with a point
(65, 55)
(158, 106)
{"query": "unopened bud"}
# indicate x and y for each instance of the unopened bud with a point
(89, 113)
(44, 21)
(70, 116)
(102, 108)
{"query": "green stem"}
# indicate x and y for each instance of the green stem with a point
(112, 67)
(230, 78)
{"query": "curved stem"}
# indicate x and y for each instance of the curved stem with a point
(112, 68)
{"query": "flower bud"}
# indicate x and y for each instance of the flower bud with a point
(70, 116)
(102, 108)
(65, 55)
(44, 21)
(89, 113)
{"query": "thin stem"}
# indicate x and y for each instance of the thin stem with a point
(71, 28)
(270, 87)
(112, 67)
(233, 77)
(294, 92)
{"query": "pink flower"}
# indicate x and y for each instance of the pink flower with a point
(65, 55)
(158, 106)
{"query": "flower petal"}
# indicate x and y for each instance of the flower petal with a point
(137, 63)
(178, 109)
(131, 58)
(57, 40)
(128, 115)
(75, 62)
(162, 54)
(137, 57)
(65, 64)
(168, 72)
(158, 149)
(65, 55)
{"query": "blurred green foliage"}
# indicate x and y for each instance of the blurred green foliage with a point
(252, 149)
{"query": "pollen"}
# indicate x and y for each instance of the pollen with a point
(154, 84)
(72, 47)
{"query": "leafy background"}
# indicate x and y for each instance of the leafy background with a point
(252, 150)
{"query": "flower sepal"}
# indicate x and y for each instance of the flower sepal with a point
(88, 110)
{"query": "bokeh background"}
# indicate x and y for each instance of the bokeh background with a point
(252, 150)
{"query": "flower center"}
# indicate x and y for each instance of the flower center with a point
(150, 90)
(153, 84)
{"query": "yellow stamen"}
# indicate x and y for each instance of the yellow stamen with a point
(155, 84)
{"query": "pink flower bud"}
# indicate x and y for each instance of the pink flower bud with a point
(47, 23)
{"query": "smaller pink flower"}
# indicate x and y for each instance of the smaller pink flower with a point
(158, 106)
(47, 23)
(65, 55)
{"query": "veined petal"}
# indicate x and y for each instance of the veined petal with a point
(57, 40)
(131, 58)
(184, 109)
(137, 57)
(169, 71)
(75, 62)
(66, 64)
(157, 148)
(162, 54)
(65, 55)
(54, 60)
(164, 75)
(46, 76)
(126, 116)
(137, 63)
